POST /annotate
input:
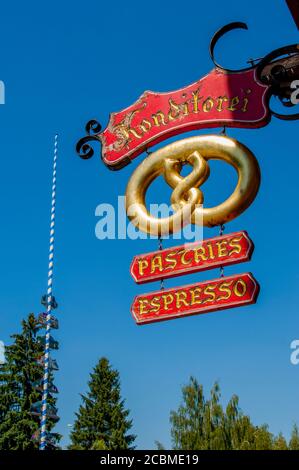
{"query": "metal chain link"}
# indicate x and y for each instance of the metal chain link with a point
(221, 231)
(160, 246)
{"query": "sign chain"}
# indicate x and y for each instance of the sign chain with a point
(160, 246)
(221, 231)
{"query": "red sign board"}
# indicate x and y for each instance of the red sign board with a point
(192, 257)
(203, 297)
(220, 98)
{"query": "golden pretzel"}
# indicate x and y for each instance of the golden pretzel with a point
(186, 195)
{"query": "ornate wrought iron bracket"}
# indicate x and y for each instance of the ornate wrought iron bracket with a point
(83, 148)
(278, 69)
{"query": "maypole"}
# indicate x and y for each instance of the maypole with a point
(43, 423)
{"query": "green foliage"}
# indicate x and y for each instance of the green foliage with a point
(263, 439)
(102, 421)
(294, 441)
(203, 424)
(280, 443)
(17, 374)
(99, 445)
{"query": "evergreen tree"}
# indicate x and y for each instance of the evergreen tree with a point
(99, 445)
(17, 392)
(102, 421)
(294, 441)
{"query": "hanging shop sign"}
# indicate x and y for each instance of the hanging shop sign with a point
(187, 195)
(192, 257)
(234, 100)
(222, 98)
(202, 297)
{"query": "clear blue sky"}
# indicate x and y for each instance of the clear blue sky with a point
(66, 62)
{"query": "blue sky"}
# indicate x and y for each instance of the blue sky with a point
(64, 63)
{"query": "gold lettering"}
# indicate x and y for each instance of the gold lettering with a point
(224, 287)
(135, 133)
(156, 263)
(167, 300)
(245, 103)
(173, 108)
(236, 247)
(209, 290)
(220, 101)
(159, 119)
(123, 134)
(124, 129)
(142, 264)
(181, 299)
(196, 99)
(234, 102)
(184, 106)
(222, 248)
(169, 259)
(183, 257)
(195, 296)
(237, 291)
(145, 126)
(210, 249)
(142, 306)
(155, 304)
(200, 254)
(207, 105)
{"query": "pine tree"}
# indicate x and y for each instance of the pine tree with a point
(17, 392)
(99, 445)
(102, 421)
(294, 441)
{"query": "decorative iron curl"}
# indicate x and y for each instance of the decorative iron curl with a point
(278, 74)
(285, 50)
(219, 34)
(83, 148)
(285, 117)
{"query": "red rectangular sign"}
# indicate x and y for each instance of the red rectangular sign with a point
(220, 98)
(203, 297)
(192, 257)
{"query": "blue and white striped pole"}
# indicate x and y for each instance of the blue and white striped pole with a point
(43, 423)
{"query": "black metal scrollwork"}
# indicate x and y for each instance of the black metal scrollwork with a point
(280, 73)
(278, 69)
(83, 147)
(219, 34)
